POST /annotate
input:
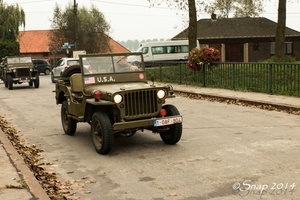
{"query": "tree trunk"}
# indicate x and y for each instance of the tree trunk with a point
(280, 31)
(192, 25)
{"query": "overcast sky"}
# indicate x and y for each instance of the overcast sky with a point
(134, 19)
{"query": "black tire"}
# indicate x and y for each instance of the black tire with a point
(73, 70)
(52, 78)
(5, 83)
(9, 82)
(69, 124)
(30, 83)
(47, 71)
(173, 135)
(102, 133)
(37, 81)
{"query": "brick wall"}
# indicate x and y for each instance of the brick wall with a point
(263, 51)
(259, 51)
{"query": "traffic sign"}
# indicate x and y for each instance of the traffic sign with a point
(66, 46)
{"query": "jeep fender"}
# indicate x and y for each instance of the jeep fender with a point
(100, 102)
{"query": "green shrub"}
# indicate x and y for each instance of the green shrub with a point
(8, 48)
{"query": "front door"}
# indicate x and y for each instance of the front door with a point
(234, 53)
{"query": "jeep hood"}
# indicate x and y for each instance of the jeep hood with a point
(118, 87)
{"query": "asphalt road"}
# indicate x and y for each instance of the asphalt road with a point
(226, 152)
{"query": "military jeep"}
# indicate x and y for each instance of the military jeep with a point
(115, 101)
(17, 70)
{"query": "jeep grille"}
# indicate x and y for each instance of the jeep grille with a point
(141, 104)
(23, 72)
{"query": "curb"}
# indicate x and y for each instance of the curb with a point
(279, 106)
(17, 161)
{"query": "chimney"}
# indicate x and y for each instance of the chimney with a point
(213, 16)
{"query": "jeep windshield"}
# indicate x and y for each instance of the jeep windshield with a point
(16, 60)
(113, 63)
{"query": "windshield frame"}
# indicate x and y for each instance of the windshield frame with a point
(19, 60)
(104, 68)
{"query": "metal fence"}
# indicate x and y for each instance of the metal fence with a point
(271, 78)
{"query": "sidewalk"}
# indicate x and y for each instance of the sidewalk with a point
(15, 176)
(14, 172)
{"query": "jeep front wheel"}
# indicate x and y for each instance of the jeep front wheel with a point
(37, 81)
(173, 135)
(102, 133)
(69, 124)
(9, 82)
(52, 78)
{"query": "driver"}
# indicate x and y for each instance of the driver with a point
(123, 65)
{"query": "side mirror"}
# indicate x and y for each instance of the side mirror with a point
(153, 78)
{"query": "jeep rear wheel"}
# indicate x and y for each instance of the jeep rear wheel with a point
(102, 133)
(69, 124)
(73, 70)
(9, 82)
(173, 135)
(30, 83)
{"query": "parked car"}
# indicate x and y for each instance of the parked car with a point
(42, 65)
(64, 63)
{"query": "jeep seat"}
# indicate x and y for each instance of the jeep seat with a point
(76, 82)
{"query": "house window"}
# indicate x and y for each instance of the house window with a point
(255, 46)
(288, 48)
(272, 48)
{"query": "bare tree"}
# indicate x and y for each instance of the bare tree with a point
(191, 7)
(280, 30)
(220, 7)
(239, 8)
(192, 25)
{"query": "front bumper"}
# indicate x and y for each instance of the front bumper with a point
(146, 123)
(24, 79)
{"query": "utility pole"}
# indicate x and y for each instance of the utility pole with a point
(75, 24)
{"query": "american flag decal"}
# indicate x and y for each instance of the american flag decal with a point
(89, 80)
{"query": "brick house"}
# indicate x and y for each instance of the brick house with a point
(35, 44)
(243, 39)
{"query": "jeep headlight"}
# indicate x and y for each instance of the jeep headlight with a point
(161, 94)
(118, 98)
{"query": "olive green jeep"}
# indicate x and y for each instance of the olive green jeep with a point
(17, 70)
(116, 100)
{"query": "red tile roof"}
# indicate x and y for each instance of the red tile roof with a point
(33, 41)
(116, 47)
(37, 42)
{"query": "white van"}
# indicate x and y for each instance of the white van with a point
(173, 50)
